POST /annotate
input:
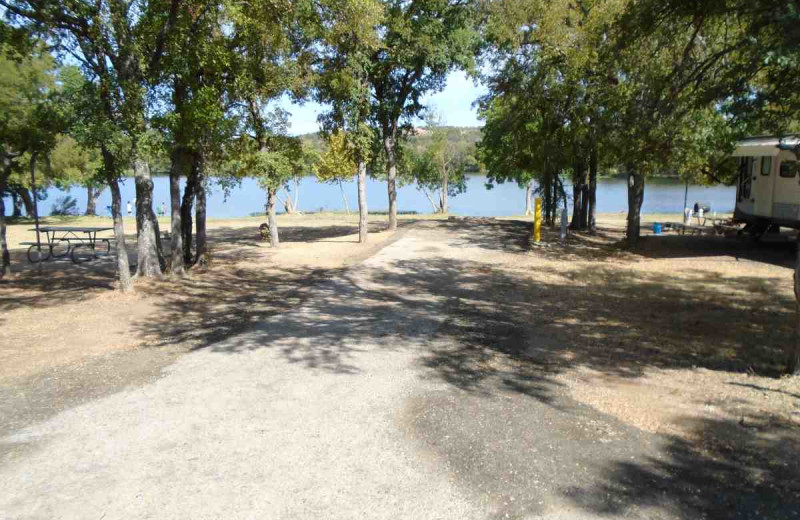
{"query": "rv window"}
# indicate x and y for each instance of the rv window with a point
(766, 165)
(788, 168)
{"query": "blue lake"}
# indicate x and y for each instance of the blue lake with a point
(661, 196)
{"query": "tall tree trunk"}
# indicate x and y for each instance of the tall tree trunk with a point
(391, 174)
(528, 196)
(288, 204)
(793, 361)
(16, 204)
(5, 257)
(123, 269)
(547, 189)
(635, 198)
(557, 191)
(176, 232)
(585, 206)
(274, 240)
(580, 196)
(443, 195)
(344, 198)
(593, 164)
(296, 202)
(553, 209)
(200, 209)
(362, 202)
(434, 204)
(186, 214)
(148, 240)
(584, 222)
(91, 200)
(577, 193)
(27, 200)
(291, 205)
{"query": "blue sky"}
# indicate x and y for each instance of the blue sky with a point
(454, 103)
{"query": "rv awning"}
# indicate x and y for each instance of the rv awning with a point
(764, 146)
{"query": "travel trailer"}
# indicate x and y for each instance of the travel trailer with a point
(768, 191)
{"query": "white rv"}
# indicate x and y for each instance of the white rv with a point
(768, 191)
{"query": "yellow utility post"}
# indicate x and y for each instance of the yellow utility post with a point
(537, 220)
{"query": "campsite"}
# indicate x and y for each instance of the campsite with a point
(378, 259)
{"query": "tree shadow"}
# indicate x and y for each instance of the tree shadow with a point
(251, 236)
(764, 389)
(723, 471)
(54, 282)
(484, 327)
(614, 321)
(492, 331)
(781, 254)
(495, 235)
(59, 281)
(608, 242)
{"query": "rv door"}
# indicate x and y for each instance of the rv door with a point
(745, 179)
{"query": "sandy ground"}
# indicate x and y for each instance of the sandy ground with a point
(58, 313)
(451, 370)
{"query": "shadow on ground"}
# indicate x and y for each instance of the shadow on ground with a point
(488, 331)
(250, 236)
(608, 242)
(54, 282)
(613, 320)
(493, 333)
(726, 471)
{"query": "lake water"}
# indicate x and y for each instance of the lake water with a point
(661, 196)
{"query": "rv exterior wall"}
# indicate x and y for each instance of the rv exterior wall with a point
(786, 203)
(763, 185)
(766, 193)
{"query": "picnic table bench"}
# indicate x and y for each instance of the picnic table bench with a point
(64, 241)
(692, 229)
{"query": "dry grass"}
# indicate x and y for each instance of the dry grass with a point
(682, 331)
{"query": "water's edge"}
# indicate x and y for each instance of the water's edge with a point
(661, 196)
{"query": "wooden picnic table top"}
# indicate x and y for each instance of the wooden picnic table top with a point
(73, 229)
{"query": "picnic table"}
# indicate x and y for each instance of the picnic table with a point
(718, 226)
(69, 241)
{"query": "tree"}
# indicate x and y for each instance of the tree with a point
(526, 131)
(665, 67)
(740, 53)
(545, 109)
(505, 149)
(90, 125)
(440, 169)
(337, 164)
(28, 119)
(71, 164)
(119, 44)
(198, 74)
(420, 43)
(274, 45)
(271, 156)
(348, 46)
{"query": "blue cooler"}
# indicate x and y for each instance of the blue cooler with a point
(656, 228)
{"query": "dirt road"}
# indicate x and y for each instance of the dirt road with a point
(407, 386)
